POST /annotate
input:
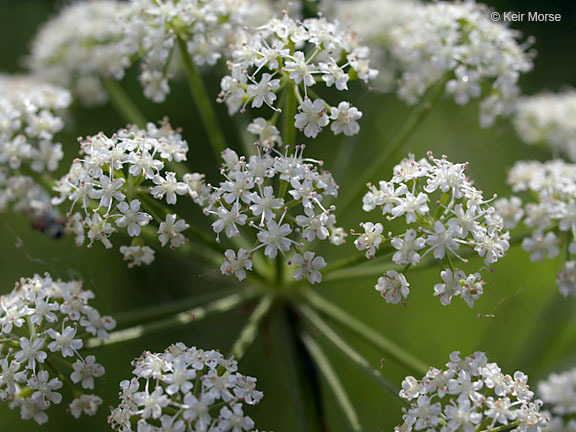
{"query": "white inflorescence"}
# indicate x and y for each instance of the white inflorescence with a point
(470, 395)
(548, 119)
(118, 183)
(151, 31)
(558, 392)
(447, 217)
(291, 58)
(278, 200)
(458, 42)
(79, 46)
(549, 210)
(30, 115)
(43, 326)
(185, 389)
(373, 21)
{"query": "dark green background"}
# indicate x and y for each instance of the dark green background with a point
(532, 328)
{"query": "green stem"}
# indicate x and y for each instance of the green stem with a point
(401, 137)
(180, 319)
(327, 371)
(502, 428)
(377, 340)
(250, 330)
(288, 128)
(203, 103)
(357, 259)
(350, 353)
(376, 269)
(123, 104)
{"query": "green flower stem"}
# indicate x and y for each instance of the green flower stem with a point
(502, 428)
(302, 400)
(123, 103)
(389, 348)
(163, 310)
(288, 128)
(377, 269)
(327, 371)
(203, 103)
(178, 320)
(352, 355)
(250, 330)
(400, 139)
(354, 260)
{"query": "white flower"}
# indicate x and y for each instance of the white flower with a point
(236, 264)
(275, 238)
(132, 217)
(263, 92)
(137, 255)
(441, 240)
(85, 404)
(566, 279)
(407, 247)
(64, 342)
(312, 117)
(85, 371)
(195, 390)
(371, 238)
(308, 267)
(462, 397)
(541, 245)
(345, 119)
(170, 231)
(393, 286)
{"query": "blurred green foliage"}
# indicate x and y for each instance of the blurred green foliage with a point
(528, 324)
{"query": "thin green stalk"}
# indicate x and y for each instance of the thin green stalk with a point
(353, 260)
(288, 128)
(350, 353)
(302, 401)
(203, 103)
(376, 269)
(180, 319)
(250, 330)
(123, 103)
(503, 428)
(332, 380)
(163, 310)
(389, 348)
(402, 136)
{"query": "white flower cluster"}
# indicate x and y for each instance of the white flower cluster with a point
(549, 211)
(185, 389)
(458, 42)
(373, 21)
(547, 119)
(279, 198)
(43, 326)
(30, 115)
(79, 46)
(558, 392)
(117, 185)
(470, 395)
(448, 215)
(290, 57)
(152, 29)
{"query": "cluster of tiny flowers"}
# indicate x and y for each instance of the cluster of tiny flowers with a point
(447, 214)
(288, 56)
(75, 55)
(185, 389)
(30, 115)
(118, 183)
(470, 395)
(152, 29)
(279, 200)
(547, 119)
(549, 210)
(373, 21)
(558, 392)
(458, 42)
(43, 320)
